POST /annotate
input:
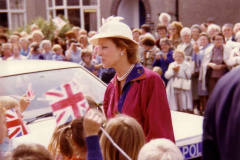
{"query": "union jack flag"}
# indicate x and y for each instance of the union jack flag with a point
(15, 125)
(67, 102)
(30, 92)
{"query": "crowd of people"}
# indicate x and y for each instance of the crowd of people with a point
(190, 62)
(205, 53)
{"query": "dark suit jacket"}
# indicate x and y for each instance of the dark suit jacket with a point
(221, 127)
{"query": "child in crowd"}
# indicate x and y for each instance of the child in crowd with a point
(7, 102)
(87, 61)
(160, 149)
(46, 45)
(30, 152)
(58, 53)
(68, 140)
(123, 130)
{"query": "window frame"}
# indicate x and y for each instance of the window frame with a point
(10, 11)
(65, 7)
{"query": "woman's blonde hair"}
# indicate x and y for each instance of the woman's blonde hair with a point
(178, 25)
(8, 102)
(178, 51)
(131, 48)
(127, 134)
(160, 149)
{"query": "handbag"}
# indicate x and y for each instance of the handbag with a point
(177, 83)
(182, 83)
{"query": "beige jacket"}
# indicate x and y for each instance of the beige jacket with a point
(207, 58)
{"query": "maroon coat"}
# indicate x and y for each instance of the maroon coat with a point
(146, 101)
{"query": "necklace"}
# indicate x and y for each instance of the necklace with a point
(126, 74)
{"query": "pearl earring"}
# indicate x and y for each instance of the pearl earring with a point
(121, 54)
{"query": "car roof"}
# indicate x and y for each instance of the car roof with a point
(15, 67)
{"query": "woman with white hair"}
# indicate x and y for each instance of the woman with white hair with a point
(213, 29)
(236, 28)
(160, 149)
(37, 36)
(178, 98)
(46, 45)
(186, 46)
(234, 58)
(25, 46)
(165, 19)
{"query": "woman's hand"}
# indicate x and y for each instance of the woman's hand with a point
(196, 48)
(158, 56)
(176, 69)
(164, 56)
(24, 102)
(92, 123)
(212, 65)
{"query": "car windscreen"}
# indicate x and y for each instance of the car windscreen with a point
(17, 85)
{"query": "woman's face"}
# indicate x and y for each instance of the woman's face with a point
(195, 33)
(165, 20)
(162, 33)
(237, 29)
(186, 38)
(173, 30)
(179, 58)
(203, 41)
(86, 58)
(204, 29)
(14, 40)
(37, 38)
(212, 32)
(16, 50)
(3, 127)
(165, 47)
(24, 43)
(110, 54)
(218, 41)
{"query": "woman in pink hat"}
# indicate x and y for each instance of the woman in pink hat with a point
(135, 91)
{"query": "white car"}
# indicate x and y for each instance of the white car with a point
(15, 77)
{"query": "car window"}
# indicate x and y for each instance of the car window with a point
(43, 81)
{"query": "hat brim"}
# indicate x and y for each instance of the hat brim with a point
(95, 39)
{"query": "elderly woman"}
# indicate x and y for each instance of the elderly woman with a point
(234, 59)
(150, 50)
(236, 28)
(175, 29)
(186, 44)
(37, 36)
(7, 53)
(164, 58)
(195, 31)
(46, 45)
(165, 19)
(214, 63)
(213, 29)
(178, 99)
(135, 91)
(162, 32)
(25, 46)
(205, 43)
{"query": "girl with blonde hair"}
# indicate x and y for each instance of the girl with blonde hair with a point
(125, 131)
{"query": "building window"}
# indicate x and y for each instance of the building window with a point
(81, 13)
(13, 13)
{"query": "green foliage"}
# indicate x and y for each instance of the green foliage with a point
(47, 27)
